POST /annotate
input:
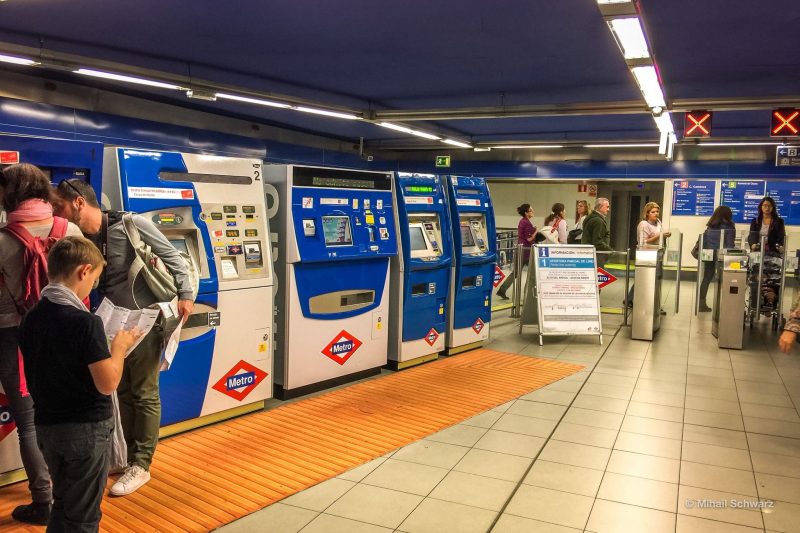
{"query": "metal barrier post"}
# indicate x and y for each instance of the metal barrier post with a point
(678, 274)
(627, 285)
(762, 245)
(517, 271)
(701, 272)
(783, 282)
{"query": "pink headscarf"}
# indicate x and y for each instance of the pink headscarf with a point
(30, 210)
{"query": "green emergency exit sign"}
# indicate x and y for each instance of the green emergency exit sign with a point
(442, 160)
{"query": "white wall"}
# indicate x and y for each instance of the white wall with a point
(506, 197)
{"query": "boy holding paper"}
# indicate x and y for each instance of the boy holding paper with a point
(71, 373)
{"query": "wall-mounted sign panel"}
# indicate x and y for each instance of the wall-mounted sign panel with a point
(743, 198)
(693, 198)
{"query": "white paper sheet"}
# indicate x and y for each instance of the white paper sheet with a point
(117, 318)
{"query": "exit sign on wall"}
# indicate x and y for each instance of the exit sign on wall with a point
(442, 160)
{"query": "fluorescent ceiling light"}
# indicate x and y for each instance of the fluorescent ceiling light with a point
(743, 143)
(602, 2)
(482, 149)
(630, 37)
(129, 79)
(248, 100)
(622, 145)
(17, 60)
(404, 129)
(527, 146)
(457, 143)
(664, 123)
(325, 112)
(648, 82)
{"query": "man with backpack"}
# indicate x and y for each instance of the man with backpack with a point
(140, 403)
(24, 242)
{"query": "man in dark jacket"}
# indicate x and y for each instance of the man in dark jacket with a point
(595, 229)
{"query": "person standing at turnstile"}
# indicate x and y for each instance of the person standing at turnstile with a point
(649, 232)
(721, 221)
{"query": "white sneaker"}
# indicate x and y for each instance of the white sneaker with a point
(134, 477)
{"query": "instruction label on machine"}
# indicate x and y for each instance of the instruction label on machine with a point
(566, 283)
(161, 193)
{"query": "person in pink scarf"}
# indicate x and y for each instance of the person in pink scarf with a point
(24, 192)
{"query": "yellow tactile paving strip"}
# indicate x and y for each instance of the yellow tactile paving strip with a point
(212, 476)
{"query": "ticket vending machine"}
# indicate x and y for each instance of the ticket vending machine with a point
(474, 254)
(335, 239)
(212, 208)
(59, 159)
(420, 278)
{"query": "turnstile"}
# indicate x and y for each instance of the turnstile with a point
(729, 300)
(646, 316)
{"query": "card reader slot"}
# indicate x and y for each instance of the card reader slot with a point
(419, 289)
(341, 301)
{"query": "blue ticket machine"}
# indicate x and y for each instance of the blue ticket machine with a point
(335, 240)
(59, 159)
(420, 271)
(474, 255)
(211, 208)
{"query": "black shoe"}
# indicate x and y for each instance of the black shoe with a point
(502, 295)
(704, 308)
(33, 513)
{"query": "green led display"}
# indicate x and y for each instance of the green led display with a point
(419, 188)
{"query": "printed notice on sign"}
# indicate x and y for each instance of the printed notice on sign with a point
(566, 281)
(161, 193)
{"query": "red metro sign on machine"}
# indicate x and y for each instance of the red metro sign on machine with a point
(240, 380)
(604, 278)
(342, 347)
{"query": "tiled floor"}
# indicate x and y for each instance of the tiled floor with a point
(650, 437)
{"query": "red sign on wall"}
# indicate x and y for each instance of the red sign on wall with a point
(697, 124)
(9, 158)
(785, 123)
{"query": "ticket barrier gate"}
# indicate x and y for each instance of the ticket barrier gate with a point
(646, 315)
(728, 317)
(213, 209)
(59, 159)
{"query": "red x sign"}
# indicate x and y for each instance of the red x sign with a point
(785, 123)
(697, 124)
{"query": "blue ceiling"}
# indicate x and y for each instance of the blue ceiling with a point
(376, 54)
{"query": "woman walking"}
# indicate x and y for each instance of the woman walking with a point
(526, 233)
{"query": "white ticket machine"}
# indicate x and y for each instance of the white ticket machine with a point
(212, 208)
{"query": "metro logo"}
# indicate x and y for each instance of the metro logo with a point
(432, 336)
(342, 347)
(240, 380)
(478, 326)
(7, 423)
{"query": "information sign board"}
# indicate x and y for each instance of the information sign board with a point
(743, 198)
(693, 198)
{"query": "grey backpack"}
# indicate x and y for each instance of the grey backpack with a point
(152, 269)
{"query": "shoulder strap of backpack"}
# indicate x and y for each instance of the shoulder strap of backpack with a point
(19, 232)
(59, 228)
(131, 231)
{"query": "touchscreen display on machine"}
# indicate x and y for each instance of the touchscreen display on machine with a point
(467, 240)
(336, 230)
(417, 239)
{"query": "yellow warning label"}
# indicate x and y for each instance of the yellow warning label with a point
(262, 346)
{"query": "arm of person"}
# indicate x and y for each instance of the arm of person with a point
(105, 365)
(530, 233)
(562, 231)
(780, 234)
(753, 237)
(172, 259)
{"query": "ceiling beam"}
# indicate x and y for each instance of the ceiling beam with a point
(584, 109)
